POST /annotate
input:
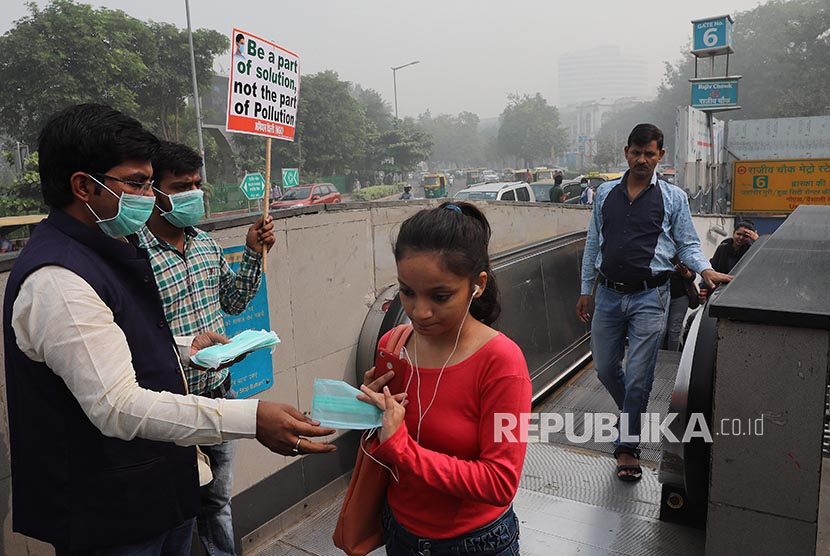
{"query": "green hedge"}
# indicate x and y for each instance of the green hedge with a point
(377, 192)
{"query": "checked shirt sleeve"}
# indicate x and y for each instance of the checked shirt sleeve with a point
(236, 289)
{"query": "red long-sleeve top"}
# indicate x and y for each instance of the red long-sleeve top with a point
(459, 477)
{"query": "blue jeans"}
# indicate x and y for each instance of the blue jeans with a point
(498, 538)
(641, 317)
(214, 522)
(174, 542)
(674, 327)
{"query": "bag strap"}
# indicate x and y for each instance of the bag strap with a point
(398, 338)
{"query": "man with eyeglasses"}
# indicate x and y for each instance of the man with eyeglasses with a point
(101, 427)
(196, 285)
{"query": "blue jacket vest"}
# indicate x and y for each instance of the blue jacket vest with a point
(73, 486)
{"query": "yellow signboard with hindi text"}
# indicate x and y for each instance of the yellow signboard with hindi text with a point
(779, 186)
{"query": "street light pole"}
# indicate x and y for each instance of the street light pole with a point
(395, 82)
(196, 101)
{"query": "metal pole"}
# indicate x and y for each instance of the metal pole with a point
(710, 122)
(395, 82)
(196, 101)
(395, 85)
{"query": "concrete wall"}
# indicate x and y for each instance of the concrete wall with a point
(324, 272)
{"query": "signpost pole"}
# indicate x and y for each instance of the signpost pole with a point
(710, 124)
(266, 204)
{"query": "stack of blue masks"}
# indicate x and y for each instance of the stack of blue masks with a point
(335, 405)
(246, 341)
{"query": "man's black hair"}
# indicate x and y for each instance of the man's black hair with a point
(557, 179)
(643, 134)
(583, 180)
(239, 37)
(91, 138)
(175, 158)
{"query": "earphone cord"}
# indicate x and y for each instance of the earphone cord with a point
(369, 434)
(421, 416)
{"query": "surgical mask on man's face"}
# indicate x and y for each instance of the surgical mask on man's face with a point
(133, 213)
(335, 405)
(186, 208)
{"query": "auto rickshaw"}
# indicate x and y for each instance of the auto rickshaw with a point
(473, 176)
(435, 185)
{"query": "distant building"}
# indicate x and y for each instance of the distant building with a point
(602, 72)
(583, 122)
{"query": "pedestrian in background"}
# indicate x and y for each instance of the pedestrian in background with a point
(639, 223)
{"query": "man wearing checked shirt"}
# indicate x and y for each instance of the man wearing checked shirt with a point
(196, 284)
(639, 223)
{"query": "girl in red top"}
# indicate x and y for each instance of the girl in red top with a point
(454, 477)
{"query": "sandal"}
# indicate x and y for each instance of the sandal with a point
(630, 472)
(624, 473)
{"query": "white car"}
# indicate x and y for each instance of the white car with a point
(498, 191)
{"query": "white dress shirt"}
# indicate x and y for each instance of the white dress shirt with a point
(59, 320)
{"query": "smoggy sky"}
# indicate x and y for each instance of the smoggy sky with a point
(472, 53)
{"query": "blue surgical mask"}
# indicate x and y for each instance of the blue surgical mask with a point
(245, 342)
(133, 213)
(187, 208)
(335, 405)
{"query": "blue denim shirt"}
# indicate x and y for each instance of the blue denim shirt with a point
(677, 236)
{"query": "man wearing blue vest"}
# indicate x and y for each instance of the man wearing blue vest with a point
(639, 224)
(102, 430)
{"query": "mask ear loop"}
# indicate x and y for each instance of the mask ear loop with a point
(366, 436)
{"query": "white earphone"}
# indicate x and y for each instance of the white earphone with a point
(477, 289)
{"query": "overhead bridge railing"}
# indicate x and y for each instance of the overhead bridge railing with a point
(539, 285)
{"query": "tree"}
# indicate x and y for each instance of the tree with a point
(163, 94)
(607, 154)
(65, 54)
(331, 125)
(406, 144)
(24, 195)
(456, 139)
(529, 128)
(780, 51)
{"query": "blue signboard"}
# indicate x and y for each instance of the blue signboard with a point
(714, 94)
(255, 373)
(712, 36)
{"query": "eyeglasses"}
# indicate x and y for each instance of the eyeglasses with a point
(142, 186)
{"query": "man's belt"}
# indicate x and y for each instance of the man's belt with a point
(633, 287)
(221, 390)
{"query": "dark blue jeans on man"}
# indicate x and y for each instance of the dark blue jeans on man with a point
(499, 538)
(214, 523)
(640, 317)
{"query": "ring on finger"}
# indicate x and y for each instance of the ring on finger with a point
(296, 448)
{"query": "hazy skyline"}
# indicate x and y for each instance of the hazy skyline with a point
(472, 53)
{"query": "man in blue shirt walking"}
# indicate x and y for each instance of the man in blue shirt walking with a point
(639, 224)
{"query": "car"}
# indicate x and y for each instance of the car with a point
(490, 177)
(306, 195)
(498, 191)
